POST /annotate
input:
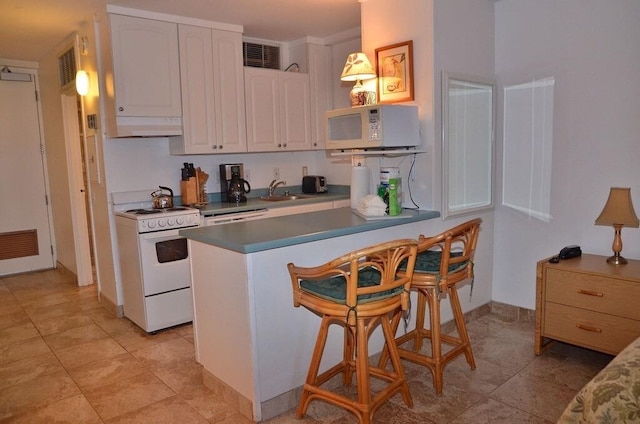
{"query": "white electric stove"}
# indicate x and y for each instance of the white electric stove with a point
(154, 261)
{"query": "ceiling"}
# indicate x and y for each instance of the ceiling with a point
(30, 29)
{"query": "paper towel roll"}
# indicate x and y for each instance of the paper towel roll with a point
(359, 184)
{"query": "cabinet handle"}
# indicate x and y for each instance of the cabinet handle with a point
(215, 146)
(221, 147)
(590, 293)
(121, 109)
(589, 328)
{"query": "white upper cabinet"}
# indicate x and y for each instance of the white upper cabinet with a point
(141, 76)
(212, 84)
(278, 110)
(315, 59)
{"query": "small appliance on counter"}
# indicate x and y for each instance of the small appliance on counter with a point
(233, 186)
(314, 184)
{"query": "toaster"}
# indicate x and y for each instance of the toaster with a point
(313, 184)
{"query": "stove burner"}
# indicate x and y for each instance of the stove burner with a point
(144, 211)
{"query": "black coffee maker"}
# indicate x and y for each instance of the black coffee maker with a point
(233, 186)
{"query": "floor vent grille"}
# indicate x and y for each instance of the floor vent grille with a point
(18, 244)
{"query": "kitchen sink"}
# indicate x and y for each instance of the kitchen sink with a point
(281, 197)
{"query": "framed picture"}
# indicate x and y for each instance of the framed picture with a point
(395, 72)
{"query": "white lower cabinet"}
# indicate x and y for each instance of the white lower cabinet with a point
(211, 75)
(277, 110)
(291, 210)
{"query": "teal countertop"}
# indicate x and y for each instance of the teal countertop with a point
(273, 233)
(254, 203)
(217, 207)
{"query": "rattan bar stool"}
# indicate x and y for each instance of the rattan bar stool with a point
(444, 261)
(358, 291)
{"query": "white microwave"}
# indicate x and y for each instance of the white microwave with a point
(372, 126)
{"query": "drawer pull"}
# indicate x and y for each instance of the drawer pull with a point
(590, 293)
(589, 328)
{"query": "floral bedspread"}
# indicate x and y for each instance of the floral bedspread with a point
(612, 396)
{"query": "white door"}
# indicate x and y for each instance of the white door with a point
(25, 237)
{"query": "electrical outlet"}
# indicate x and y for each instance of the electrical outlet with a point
(305, 171)
(276, 173)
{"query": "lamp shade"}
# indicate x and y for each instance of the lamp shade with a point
(619, 209)
(357, 67)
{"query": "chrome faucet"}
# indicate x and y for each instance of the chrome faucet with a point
(274, 184)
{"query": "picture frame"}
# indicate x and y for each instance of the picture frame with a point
(395, 72)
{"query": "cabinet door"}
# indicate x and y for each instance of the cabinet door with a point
(145, 66)
(295, 116)
(263, 109)
(321, 94)
(228, 79)
(198, 107)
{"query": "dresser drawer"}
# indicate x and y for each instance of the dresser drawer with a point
(603, 332)
(593, 292)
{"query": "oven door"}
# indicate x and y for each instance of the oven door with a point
(165, 262)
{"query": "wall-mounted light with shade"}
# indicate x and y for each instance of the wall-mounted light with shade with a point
(618, 212)
(82, 82)
(358, 68)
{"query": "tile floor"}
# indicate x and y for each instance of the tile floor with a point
(66, 359)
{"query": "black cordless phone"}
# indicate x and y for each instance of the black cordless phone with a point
(568, 252)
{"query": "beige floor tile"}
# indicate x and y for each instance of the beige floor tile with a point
(40, 313)
(28, 369)
(568, 365)
(179, 375)
(41, 391)
(22, 350)
(490, 411)
(167, 411)
(109, 322)
(89, 352)
(441, 409)
(9, 319)
(535, 396)
(40, 297)
(107, 371)
(127, 395)
(72, 410)
(134, 338)
(175, 349)
(75, 336)
(207, 403)
(58, 324)
(20, 332)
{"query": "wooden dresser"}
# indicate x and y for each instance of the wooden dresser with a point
(587, 302)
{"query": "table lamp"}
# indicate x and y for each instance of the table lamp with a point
(357, 68)
(618, 212)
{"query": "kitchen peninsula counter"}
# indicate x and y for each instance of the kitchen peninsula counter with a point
(273, 233)
(253, 344)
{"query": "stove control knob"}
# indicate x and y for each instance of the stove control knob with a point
(161, 223)
(171, 222)
(179, 220)
(151, 224)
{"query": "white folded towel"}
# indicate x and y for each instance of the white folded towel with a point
(372, 205)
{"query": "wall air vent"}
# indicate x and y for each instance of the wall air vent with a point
(67, 67)
(261, 55)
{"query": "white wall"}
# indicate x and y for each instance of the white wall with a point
(591, 48)
(452, 35)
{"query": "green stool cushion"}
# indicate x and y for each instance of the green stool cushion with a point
(429, 262)
(335, 288)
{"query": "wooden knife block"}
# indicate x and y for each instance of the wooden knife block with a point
(189, 191)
